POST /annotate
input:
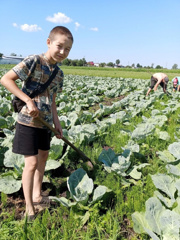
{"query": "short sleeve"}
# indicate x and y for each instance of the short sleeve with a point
(26, 67)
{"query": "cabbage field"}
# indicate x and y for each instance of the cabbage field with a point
(133, 189)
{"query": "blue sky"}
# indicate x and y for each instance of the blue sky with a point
(133, 31)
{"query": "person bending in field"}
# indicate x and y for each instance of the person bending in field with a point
(32, 139)
(156, 80)
(176, 84)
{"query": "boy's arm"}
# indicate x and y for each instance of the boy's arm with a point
(8, 81)
(55, 118)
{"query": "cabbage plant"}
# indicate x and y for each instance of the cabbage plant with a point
(83, 194)
(157, 221)
(120, 164)
(81, 189)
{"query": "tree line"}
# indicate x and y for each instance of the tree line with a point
(82, 62)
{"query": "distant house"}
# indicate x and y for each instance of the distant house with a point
(10, 60)
(96, 64)
(90, 63)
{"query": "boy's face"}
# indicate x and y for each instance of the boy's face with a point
(58, 48)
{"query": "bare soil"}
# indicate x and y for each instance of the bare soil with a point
(107, 102)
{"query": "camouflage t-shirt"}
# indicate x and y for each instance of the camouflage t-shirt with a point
(32, 78)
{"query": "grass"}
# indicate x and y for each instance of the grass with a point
(117, 72)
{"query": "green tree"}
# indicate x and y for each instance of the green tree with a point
(175, 66)
(158, 67)
(84, 61)
(117, 62)
(139, 66)
(1, 54)
(66, 62)
(80, 62)
(74, 62)
(102, 64)
(110, 64)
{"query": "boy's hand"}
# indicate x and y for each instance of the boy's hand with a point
(59, 129)
(32, 109)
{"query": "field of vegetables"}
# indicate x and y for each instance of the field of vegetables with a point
(132, 191)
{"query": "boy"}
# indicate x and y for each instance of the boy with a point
(158, 79)
(32, 139)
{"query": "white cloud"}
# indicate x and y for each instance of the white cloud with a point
(95, 29)
(77, 25)
(30, 28)
(15, 25)
(59, 18)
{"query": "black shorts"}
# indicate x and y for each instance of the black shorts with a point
(154, 81)
(28, 140)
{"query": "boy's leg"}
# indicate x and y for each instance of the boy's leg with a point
(38, 176)
(27, 181)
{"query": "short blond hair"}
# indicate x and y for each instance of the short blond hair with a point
(60, 30)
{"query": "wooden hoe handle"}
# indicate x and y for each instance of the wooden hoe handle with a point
(64, 139)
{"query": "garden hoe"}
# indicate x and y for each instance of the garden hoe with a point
(89, 162)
